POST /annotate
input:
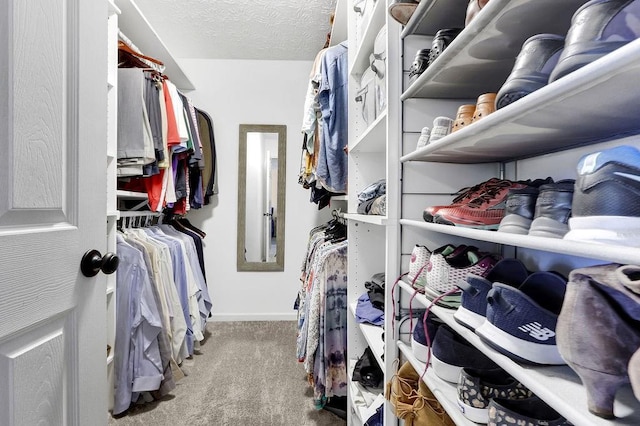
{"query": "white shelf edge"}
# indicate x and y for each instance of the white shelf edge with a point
(340, 198)
(137, 28)
(586, 249)
(131, 195)
(113, 9)
(558, 386)
(365, 47)
(373, 138)
(113, 214)
(373, 336)
(367, 218)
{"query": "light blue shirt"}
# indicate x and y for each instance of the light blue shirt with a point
(137, 361)
(333, 98)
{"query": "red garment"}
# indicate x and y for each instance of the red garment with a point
(173, 138)
(154, 190)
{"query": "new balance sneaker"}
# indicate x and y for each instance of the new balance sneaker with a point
(444, 271)
(521, 322)
(473, 301)
(606, 199)
(464, 196)
(477, 387)
(451, 353)
(424, 327)
(484, 212)
(597, 28)
(553, 210)
(517, 412)
(417, 275)
(537, 58)
(519, 211)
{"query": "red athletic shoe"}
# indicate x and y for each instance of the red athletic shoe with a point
(465, 195)
(484, 212)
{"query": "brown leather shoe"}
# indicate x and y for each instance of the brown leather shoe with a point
(473, 8)
(463, 117)
(485, 106)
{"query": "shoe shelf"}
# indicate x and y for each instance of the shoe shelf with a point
(446, 392)
(433, 15)
(374, 137)
(481, 57)
(590, 250)
(559, 116)
(367, 218)
(373, 336)
(365, 47)
(558, 386)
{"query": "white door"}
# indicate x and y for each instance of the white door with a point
(52, 210)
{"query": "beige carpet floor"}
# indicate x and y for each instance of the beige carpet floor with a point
(245, 373)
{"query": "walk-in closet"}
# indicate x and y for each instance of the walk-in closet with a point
(320, 213)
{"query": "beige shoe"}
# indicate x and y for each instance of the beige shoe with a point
(463, 117)
(485, 106)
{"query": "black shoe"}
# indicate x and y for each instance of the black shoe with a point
(553, 209)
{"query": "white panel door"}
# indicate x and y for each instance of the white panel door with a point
(52, 210)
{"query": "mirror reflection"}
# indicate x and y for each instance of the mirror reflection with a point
(261, 198)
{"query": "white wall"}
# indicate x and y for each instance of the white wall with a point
(236, 92)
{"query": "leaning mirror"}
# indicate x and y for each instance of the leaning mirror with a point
(261, 191)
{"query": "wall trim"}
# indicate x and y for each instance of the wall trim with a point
(253, 317)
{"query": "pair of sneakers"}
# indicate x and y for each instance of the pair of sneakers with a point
(480, 207)
(597, 28)
(542, 212)
(445, 350)
(436, 273)
(514, 311)
(496, 398)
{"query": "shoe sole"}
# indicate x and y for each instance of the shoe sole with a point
(521, 350)
(447, 372)
(515, 224)
(465, 223)
(420, 351)
(547, 227)
(474, 414)
(617, 230)
(469, 319)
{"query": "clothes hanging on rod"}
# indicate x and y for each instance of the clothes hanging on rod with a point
(322, 312)
(160, 148)
(162, 303)
(323, 165)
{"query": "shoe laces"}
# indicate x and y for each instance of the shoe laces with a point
(471, 192)
(490, 193)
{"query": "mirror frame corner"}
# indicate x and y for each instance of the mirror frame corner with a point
(241, 264)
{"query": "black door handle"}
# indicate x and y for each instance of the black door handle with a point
(93, 262)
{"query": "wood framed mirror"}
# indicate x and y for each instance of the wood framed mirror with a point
(261, 197)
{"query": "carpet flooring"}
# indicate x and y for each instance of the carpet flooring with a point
(245, 373)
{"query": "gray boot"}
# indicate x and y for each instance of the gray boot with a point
(596, 332)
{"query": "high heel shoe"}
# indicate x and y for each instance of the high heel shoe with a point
(596, 331)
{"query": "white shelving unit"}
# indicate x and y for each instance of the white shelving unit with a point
(542, 134)
(373, 240)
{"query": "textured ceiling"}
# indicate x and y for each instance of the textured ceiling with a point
(241, 29)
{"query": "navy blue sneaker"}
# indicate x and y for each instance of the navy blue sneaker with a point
(606, 198)
(473, 303)
(521, 322)
(419, 344)
(451, 353)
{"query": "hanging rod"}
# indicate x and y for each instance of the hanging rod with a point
(140, 214)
